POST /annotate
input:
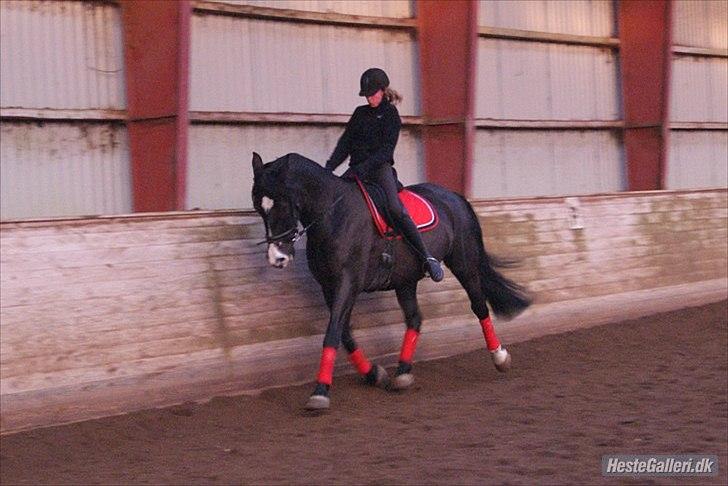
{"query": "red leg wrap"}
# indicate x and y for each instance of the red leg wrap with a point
(326, 371)
(408, 345)
(360, 362)
(491, 340)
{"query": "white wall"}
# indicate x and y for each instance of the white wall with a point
(60, 56)
(699, 96)
(250, 65)
(545, 82)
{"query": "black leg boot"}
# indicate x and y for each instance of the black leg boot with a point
(409, 230)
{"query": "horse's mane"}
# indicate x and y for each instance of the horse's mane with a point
(301, 166)
(304, 163)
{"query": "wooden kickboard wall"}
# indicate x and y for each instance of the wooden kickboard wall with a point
(106, 315)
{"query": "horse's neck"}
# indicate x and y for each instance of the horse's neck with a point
(319, 191)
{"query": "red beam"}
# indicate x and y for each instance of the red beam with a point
(645, 55)
(448, 36)
(156, 47)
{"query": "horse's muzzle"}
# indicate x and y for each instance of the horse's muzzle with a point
(276, 257)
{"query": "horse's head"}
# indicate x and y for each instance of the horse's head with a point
(276, 205)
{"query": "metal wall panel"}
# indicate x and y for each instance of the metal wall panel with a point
(538, 81)
(697, 159)
(63, 169)
(63, 54)
(699, 89)
(699, 93)
(545, 163)
(240, 64)
(377, 8)
(701, 23)
(220, 173)
(577, 17)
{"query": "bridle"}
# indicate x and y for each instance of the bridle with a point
(292, 235)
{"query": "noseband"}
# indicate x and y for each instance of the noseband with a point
(290, 236)
(294, 234)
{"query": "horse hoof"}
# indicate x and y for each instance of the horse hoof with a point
(318, 402)
(501, 359)
(403, 381)
(382, 380)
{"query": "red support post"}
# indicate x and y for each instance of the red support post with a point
(156, 51)
(645, 55)
(448, 41)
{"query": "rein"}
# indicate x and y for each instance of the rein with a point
(294, 234)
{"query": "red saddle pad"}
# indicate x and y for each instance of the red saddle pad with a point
(419, 209)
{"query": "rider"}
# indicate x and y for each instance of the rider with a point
(369, 139)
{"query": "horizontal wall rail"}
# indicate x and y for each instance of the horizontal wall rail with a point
(255, 12)
(535, 36)
(699, 51)
(331, 119)
(548, 124)
(699, 126)
(228, 117)
(64, 114)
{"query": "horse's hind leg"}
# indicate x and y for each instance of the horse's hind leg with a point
(468, 274)
(374, 375)
(407, 298)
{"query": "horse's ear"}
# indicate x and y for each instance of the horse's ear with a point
(257, 163)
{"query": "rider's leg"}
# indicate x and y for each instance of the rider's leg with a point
(384, 177)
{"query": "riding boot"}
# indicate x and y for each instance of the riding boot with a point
(407, 227)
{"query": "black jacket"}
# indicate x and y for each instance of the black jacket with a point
(370, 137)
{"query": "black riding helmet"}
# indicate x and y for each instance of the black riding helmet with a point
(372, 80)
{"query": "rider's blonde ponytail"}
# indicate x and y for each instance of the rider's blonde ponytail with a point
(392, 96)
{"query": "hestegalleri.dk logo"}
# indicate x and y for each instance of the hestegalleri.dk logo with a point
(660, 465)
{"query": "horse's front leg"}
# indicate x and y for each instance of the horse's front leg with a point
(407, 298)
(372, 373)
(341, 300)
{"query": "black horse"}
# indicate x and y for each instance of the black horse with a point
(347, 256)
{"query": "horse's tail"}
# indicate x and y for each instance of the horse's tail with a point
(507, 299)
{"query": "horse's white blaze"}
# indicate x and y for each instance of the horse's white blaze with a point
(267, 204)
(276, 257)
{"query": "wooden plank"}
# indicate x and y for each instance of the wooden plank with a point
(556, 209)
(280, 118)
(499, 225)
(489, 123)
(87, 115)
(249, 234)
(699, 51)
(602, 290)
(547, 37)
(701, 126)
(112, 224)
(289, 15)
(610, 199)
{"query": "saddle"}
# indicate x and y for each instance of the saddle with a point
(420, 210)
